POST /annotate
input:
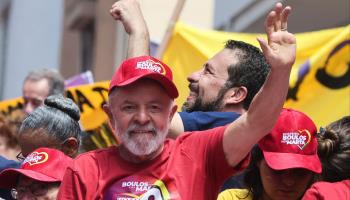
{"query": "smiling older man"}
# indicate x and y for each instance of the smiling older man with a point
(141, 106)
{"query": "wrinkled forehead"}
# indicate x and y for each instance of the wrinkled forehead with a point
(36, 89)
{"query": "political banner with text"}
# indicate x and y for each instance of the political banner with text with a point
(319, 84)
(89, 98)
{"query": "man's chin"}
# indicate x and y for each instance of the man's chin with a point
(143, 145)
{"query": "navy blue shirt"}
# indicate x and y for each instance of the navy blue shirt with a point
(199, 121)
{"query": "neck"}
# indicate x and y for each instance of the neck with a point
(233, 108)
(130, 157)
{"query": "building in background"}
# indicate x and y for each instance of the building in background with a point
(73, 36)
(249, 15)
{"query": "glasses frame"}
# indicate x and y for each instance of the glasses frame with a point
(20, 157)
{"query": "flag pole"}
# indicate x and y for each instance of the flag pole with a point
(174, 18)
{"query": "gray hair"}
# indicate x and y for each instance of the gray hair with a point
(54, 78)
(59, 117)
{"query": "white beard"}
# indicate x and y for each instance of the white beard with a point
(140, 144)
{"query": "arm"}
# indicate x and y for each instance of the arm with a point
(129, 13)
(242, 134)
(176, 126)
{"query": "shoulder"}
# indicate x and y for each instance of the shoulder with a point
(232, 194)
(345, 184)
(95, 156)
(198, 120)
(337, 190)
(202, 135)
(231, 115)
(5, 163)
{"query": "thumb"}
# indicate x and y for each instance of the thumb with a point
(263, 45)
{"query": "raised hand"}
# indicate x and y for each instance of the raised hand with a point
(280, 49)
(129, 13)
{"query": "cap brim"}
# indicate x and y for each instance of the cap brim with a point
(281, 161)
(9, 177)
(168, 85)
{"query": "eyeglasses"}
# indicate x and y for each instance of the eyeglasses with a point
(20, 157)
(36, 190)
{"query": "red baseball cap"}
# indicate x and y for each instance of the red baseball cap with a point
(43, 164)
(292, 143)
(136, 68)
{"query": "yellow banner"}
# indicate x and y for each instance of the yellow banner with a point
(320, 80)
(89, 99)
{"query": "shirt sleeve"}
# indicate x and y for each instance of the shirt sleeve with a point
(312, 194)
(208, 152)
(71, 187)
(198, 121)
(79, 182)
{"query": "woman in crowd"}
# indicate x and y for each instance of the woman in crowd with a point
(54, 125)
(334, 153)
(285, 162)
(39, 177)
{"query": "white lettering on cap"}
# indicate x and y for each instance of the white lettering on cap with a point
(150, 65)
(300, 138)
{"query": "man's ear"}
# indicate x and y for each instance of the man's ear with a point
(236, 95)
(71, 147)
(172, 112)
(108, 111)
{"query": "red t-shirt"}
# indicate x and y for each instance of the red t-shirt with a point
(325, 190)
(191, 167)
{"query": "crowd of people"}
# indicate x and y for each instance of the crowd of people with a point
(232, 140)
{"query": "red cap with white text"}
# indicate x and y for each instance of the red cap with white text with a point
(43, 164)
(136, 68)
(292, 143)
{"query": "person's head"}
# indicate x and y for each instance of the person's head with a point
(54, 125)
(40, 84)
(9, 147)
(141, 106)
(229, 80)
(334, 150)
(39, 177)
(285, 162)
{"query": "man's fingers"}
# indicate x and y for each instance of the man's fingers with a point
(284, 18)
(278, 10)
(269, 23)
(115, 12)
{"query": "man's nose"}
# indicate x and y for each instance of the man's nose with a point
(28, 108)
(142, 117)
(194, 77)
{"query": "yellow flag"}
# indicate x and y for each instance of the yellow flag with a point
(320, 80)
